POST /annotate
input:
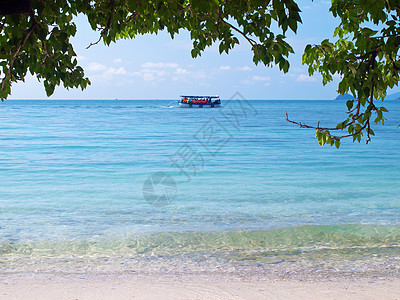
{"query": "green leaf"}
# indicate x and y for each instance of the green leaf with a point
(337, 144)
(349, 104)
(368, 32)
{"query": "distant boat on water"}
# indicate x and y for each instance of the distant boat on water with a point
(200, 101)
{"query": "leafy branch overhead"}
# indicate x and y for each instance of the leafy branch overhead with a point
(38, 39)
(366, 57)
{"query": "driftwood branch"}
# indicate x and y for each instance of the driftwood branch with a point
(325, 130)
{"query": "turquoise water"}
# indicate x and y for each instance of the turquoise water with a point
(244, 186)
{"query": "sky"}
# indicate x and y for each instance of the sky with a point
(158, 67)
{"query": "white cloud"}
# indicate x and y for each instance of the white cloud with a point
(305, 78)
(245, 68)
(246, 81)
(298, 70)
(104, 73)
(295, 72)
(200, 75)
(181, 71)
(150, 74)
(153, 72)
(94, 66)
(148, 77)
(261, 78)
(159, 65)
(119, 71)
(118, 60)
(224, 68)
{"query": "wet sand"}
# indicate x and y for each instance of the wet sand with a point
(80, 286)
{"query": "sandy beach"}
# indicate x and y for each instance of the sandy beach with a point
(127, 287)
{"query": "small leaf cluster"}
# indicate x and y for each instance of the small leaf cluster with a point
(324, 138)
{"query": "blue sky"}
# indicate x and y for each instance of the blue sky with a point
(158, 67)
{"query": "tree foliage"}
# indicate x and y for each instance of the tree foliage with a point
(39, 41)
(35, 38)
(365, 54)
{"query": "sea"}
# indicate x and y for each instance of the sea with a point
(145, 188)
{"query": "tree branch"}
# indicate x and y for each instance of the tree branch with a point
(252, 42)
(47, 55)
(15, 54)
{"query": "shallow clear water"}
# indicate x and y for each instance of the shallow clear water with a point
(80, 179)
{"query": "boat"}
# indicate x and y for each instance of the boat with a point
(200, 101)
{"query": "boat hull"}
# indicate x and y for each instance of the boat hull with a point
(198, 105)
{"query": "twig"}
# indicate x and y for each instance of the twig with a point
(183, 9)
(303, 125)
(98, 41)
(132, 17)
(107, 28)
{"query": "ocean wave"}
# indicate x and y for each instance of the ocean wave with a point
(297, 239)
